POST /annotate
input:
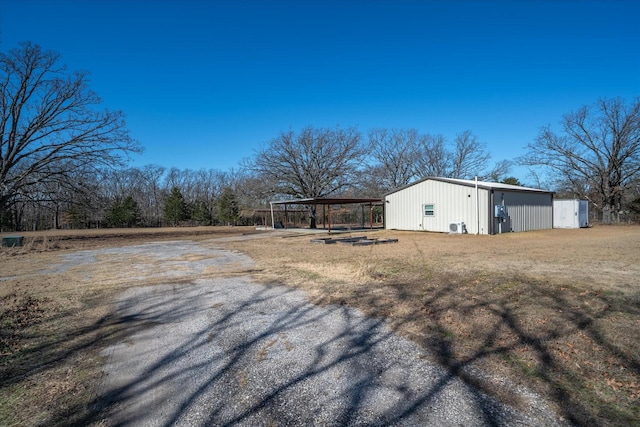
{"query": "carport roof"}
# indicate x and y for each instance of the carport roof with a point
(327, 201)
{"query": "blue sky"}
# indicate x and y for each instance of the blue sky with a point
(205, 83)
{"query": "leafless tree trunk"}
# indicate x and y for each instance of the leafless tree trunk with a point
(49, 123)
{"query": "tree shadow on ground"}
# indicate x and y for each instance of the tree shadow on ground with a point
(257, 350)
(578, 348)
(263, 355)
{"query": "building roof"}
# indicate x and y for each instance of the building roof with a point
(472, 183)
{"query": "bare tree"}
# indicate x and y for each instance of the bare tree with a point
(143, 184)
(312, 163)
(209, 188)
(49, 123)
(149, 196)
(465, 159)
(597, 151)
(469, 158)
(372, 182)
(499, 172)
(432, 157)
(395, 152)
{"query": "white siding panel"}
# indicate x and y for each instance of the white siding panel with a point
(452, 203)
(572, 213)
(485, 212)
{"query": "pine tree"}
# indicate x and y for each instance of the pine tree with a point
(228, 211)
(124, 213)
(201, 213)
(175, 208)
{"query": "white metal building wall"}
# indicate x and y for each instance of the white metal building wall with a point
(404, 209)
(565, 213)
(571, 213)
(485, 212)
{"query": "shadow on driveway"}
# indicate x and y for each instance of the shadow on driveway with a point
(228, 351)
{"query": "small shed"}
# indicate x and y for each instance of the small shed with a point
(467, 206)
(571, 213)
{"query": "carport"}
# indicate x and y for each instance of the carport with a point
(326, 203)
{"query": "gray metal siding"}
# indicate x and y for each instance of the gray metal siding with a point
(526, 211)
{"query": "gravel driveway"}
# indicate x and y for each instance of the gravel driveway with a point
(226, 350)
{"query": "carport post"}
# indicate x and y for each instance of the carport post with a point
(329, 218)
(324, 217)
(273, 225)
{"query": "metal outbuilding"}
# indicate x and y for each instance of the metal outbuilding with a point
(467, 206)
(572, 213)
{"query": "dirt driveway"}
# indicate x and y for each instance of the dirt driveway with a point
(206, 345)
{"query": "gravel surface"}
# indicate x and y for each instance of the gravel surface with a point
(229, 351)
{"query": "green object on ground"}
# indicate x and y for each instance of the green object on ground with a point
(11, 241)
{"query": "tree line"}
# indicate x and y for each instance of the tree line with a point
(63, 160)
(149, 196)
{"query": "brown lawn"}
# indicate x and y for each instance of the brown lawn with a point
(556, 310)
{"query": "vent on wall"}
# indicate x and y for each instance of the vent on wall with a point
(457, 228)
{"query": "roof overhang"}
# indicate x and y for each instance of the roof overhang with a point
(472, 183)
(328, 201)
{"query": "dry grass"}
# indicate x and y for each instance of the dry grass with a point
(556, 310)
(54, 322)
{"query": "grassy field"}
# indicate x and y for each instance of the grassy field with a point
(557, 311)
